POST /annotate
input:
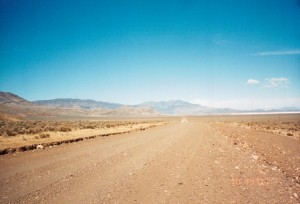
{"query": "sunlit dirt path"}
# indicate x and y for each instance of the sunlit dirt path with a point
(183, 162)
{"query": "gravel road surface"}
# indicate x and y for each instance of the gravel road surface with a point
(183, 162)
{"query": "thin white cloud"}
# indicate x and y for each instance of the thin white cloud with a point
(252, 81)
(279, 52)
(277, 82)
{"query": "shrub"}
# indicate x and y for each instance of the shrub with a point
(34, 131)
(65, 129)
(11, 133)
(44, 135)
(89, 127)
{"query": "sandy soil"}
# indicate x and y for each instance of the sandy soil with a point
(183, 162)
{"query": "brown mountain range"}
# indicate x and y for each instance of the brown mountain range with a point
(15, 107)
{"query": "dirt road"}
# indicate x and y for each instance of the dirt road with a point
(190, 162)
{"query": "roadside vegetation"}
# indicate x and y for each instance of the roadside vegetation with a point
(290, 128)
(13, 128)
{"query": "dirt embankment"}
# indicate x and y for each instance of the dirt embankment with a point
(17, 136)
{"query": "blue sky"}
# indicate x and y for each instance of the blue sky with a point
(239, 54)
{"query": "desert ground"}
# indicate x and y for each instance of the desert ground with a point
(211, 159)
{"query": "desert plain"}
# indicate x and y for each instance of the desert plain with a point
(208, 159)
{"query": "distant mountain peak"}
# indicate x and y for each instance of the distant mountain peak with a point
(175, 107)
(169, 102)
(10, 98)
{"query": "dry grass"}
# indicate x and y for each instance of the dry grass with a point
(13, 128)
(15, 134)
(289, 128)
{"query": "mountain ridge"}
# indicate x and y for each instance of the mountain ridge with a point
(78, 103)
(180, 107)
(13, 104)
(7, 97)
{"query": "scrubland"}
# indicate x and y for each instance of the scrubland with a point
(284, 128)
(15, 134)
